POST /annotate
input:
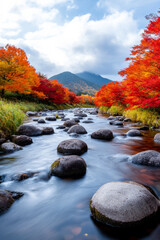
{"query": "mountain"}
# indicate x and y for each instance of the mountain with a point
(85, 82)
(94, 78)
(75, 83)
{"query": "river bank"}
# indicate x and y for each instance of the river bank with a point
(13, 113)
(149, 117)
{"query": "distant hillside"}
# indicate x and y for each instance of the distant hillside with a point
(94, 78)
(75, 83)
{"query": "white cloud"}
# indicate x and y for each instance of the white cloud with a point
(79, 44)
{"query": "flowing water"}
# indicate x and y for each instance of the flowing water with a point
(58, 209)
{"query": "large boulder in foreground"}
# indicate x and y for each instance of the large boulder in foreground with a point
(77, 129)
(134, 133)
(72, 147)
(6, 200)
(22, 140)
(29, 130)
(105, 134)
(72, 166)
(10, 147)
(149, 158)
(123, 204)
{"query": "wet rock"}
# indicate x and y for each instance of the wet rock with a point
(2, 178)
(111, 118)
(35, 119)
(41, 120)
(87, 121)
(105, 134)
(127, 120)
(10, 147)
(71, 166)
(149, 158)
(81, 115)
(77, 129)
(31, 114)
(16, 195)
(60, 127)
(23, 176)
(29, 130)
(123, 204)
(51, 118)
(134, 133)
(69, 123)
(66, 129)
(44, 114)
(157, 137)
(76, 120)
(72, 147)
(73, 135)
(47, 130)
(6, 200)
(65, 119)
(94, 113)
(22, 140)
(116, 123)
(119, 118)
(90, 119)
(144, 128)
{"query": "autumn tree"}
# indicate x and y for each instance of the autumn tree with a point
(110, 94)
(16, 73)
(142, 76)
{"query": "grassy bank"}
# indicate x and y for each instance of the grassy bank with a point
(149, 117)
(12, 113)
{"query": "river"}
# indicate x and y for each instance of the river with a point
(58, 209)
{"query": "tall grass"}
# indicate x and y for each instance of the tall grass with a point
(10, 118)
(146, 116)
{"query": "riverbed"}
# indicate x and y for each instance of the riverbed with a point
(58, 209)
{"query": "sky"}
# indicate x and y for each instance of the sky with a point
(75, 35)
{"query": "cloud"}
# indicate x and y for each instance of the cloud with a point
(80, 44)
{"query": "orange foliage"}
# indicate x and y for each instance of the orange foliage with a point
(86, 99)
(16, 74)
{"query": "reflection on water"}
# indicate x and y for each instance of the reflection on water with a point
(58, 208)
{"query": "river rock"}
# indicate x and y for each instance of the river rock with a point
(60, 127)
(65, 119)
(149, 158)
(47, 130)
(72, 166)
(69, 123)
(72, 147)
(123, 204)
(77, 129)
(31, 114)
(116, 123)
(111, 118)
(10, 147)
(41, 120)
(134, 133)
(127, 120)
(22, 140)
(6, 200)
(35, 119)
(105, 134)
(81, 115)
(51, 118)
(76, 120)
(29, 130)
(157, 137)
(87, 121)
(144, 128)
